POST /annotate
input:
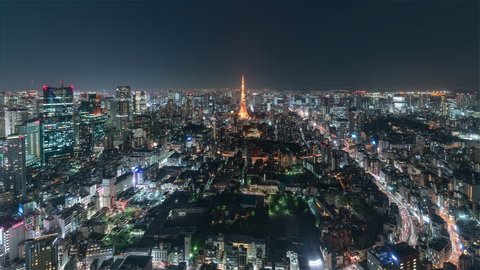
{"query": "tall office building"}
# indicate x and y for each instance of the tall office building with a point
(355, 122)
(123, 98)
(140, 99)
(109, 107)
(41, 253)
(13, 172)
(58, 137)
(14, 117)
(32, 133)
(123, 102)
(91, 123)
(326, 105)
(170, 104)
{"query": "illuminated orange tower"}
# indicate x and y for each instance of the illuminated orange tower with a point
(243, 113)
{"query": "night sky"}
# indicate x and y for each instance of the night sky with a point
(97, 45)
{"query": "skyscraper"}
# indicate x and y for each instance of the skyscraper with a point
(109, 107)
(57, 123)
(123, 102)
(41, 253)
(140, 102)
(31, 131)
(91, 123)
(13, 173)
(14, 117)
(243, 113)
(123, 98)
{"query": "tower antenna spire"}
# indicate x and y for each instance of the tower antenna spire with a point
(243, 113)
(243, 82)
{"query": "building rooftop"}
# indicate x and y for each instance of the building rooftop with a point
(439, 244)
(389, 255)
(134, 262)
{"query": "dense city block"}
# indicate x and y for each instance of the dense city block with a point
(239, 179)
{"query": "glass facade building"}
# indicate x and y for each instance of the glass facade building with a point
(13, 174)
(31, 131)
(58, 136)
(91, 124)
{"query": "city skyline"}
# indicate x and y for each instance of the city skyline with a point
(397, 45)
(239, 135)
